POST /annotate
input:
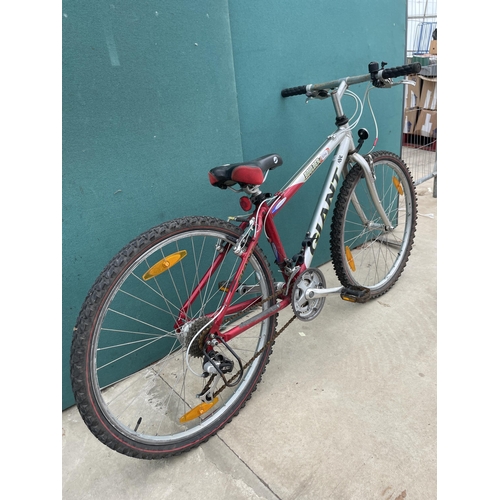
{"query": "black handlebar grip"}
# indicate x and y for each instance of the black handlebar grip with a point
(407, 69)
(293, 91)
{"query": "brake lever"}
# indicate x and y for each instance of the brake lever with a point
(317, 94)
(386, 83)
(389, 82)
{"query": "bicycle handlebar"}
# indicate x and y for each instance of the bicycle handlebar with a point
(294, 91)
(407, 69)
(376, 76)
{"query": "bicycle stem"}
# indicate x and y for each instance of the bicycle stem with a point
(337, 97)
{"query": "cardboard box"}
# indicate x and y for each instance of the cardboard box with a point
(433, 49)
(426, 123)
(428, 93)
(410, 120)
(412, 92)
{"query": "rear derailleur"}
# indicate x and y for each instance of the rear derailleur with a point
(217, 366)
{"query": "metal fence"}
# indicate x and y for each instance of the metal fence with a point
(419, 146)
(422, 162)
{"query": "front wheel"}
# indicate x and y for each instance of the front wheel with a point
(365, 252)
(138, 363)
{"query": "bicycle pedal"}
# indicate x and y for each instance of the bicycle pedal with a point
(224, 286)
(355, 293)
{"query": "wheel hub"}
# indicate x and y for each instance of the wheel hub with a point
(198, 328)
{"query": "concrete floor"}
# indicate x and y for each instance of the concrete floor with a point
(345, 410)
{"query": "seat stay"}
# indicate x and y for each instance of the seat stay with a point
(225, 307)
(183, 312)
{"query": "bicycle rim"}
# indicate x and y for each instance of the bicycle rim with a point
(141, 369)
(364, 251)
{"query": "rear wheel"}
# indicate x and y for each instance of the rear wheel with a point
(364, 252)
(137, 358)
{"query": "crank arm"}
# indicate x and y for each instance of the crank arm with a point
(351, 294)
(315, 293)
(244, 289)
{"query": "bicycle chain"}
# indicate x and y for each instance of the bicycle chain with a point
(251, 360)
(255, 356)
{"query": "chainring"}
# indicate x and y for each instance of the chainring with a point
(307, 309)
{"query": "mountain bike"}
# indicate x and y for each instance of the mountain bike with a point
(177, 330)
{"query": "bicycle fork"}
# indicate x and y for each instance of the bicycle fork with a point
(370, 182)
(353, 293)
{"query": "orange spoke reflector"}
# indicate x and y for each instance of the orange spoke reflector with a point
(350, 258)
(164, 264)
(197, 411)
(396, 182)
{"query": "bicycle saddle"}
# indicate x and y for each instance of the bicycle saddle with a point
(249, 172)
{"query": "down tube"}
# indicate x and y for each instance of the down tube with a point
(326, 197)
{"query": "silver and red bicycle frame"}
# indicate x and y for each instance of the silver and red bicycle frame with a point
(341, 145)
